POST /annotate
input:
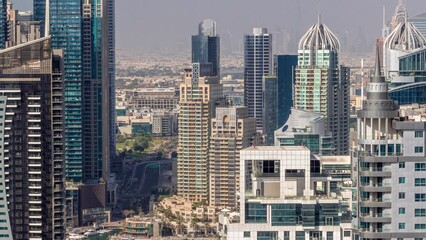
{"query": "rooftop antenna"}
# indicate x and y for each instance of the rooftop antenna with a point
(362, 79)
(47, 19)
(319, 12)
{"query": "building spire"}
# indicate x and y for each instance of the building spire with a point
(378, 68)
(47, 19)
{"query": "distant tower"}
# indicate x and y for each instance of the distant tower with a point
(257, 64)
(385, 29)
(3, 23)
(206, 48)
(322, 85)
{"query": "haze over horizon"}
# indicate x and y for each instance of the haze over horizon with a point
(165, 27)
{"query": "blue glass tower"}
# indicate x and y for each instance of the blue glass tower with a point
(3, 23)
(206, 48)
(285, 66)
(84, 29)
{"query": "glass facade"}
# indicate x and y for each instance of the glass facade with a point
(3, 23)
(285, 71)
(270, 108)
(412, 65)
(255, 213)
(206, 49)
(257, 64)
(419, 22)
(78, 28)
(267, 235)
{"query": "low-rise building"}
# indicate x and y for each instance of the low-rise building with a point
(153, 98)
(281, 199)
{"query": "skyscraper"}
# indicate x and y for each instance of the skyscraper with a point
(270, 108)
(86, 33)
(65, 29)
(322, 85)
(206, 48)
(232, 131)
(257, 64)
(419, 21)
(285, 69)
(392, 162)
(3, 23)
(32, 144)
(198, 98)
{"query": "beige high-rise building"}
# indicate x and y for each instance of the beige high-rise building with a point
(198, 99)
(232, 130)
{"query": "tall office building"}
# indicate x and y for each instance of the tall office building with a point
(322, 85)
(392, 162)
(270, 108)
(419, 21)
(3, 23)
(232, 131)
(32, 144)
(257, 64)
(198, 98)
(285, 69)
(206, 48)
(86, 34)
(65, 29)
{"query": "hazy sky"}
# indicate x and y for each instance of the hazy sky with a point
(151, 26)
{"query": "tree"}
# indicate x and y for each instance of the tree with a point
(138, 148)
(174, 154)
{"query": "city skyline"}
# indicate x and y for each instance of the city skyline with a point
(149, 32)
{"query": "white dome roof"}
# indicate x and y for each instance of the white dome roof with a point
(319, 37)
(405, 37)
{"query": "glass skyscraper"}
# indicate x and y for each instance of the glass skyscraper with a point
(285, 66)
(420, 22)
(206, 48)
(3, 23)
(85, 31)
(257, 64)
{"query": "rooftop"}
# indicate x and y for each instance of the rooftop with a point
(276, 148)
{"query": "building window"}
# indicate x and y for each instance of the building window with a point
(401, 226)
(401, 195)
(418, 134)
(418, 238)
(246, 234)
(401, 210)
(420, 197)
(402, 180)
(347, 233)
(329, 235)
(300, 235)
(263, 235)
(420, 167)
(420, 182)
(401, 164)
(286, 235)
(420, 212)
(418, 149)
(420, 226)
